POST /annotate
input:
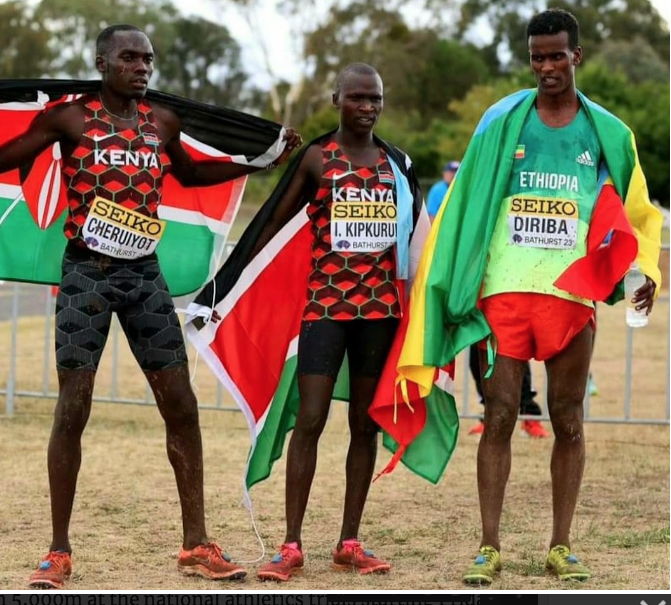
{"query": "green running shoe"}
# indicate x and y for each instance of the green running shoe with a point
(565, 565)
(486, 564)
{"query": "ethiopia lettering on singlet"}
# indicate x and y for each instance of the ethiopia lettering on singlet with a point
(362, 220)
(544, 221)
(120, 232)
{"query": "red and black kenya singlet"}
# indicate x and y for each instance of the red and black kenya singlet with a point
(349, 285)
(123, 166)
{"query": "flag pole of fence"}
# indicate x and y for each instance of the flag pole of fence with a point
(11, 382)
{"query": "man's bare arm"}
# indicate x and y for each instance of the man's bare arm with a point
(46, 129)
(304, 183)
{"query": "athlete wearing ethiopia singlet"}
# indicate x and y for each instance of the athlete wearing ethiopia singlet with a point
(110, 262)
(541, 229)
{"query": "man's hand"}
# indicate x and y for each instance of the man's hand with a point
(643, 297)
(294, 140)
(215, 317)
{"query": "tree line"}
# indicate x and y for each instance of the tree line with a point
(440, 70)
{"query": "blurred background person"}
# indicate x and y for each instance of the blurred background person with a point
(439, 190)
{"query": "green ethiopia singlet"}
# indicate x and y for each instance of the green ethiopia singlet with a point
(544, 220)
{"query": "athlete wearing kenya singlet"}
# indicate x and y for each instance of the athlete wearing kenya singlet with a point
(114, 180)
(354, 209)
(351, 191)
(116, 148)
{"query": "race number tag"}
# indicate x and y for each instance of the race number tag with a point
(116, 231)
(362, 226)
(536, 222)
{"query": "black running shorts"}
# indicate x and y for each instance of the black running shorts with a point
(93, 287)
(323, 342)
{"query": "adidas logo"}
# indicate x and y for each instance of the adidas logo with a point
(585, 158)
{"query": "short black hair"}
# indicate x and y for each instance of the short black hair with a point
(554, 21)
(106, 36)
(362, 69)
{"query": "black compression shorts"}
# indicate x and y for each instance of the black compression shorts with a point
(322, 344)
(94, 286)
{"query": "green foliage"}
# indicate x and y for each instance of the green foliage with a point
(75, 24)
(645, 109)
(202, 61)
(25, 51)
(636, 58)
(421, 71)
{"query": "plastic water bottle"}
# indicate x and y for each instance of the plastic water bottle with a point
(633, 280)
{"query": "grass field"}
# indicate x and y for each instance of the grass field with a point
(126, 528)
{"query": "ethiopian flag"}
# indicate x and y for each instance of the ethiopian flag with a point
(625, 226)
(253, 349)
(33, 204)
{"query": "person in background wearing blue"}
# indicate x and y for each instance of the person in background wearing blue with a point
(439, 189)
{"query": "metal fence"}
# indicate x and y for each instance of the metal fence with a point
(27, 361)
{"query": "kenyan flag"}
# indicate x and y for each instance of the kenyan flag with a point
(253, 349)
(33, 203)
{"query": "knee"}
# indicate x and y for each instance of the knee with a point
(362, 427)
(310, 424)
(74, 402)
(499, 421)
(71, 416)
(179, 410)
(567, 422)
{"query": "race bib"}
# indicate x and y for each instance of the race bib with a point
(116, 231)
(362, 226)
(536, 222)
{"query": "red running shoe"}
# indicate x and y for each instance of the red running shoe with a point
(534, 429)
(478, 429)
(352, 557)
(207, 561)
(283, 565)
(54, 569)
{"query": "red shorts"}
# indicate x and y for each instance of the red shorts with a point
(533, 326)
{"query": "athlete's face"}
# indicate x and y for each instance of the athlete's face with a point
(553, 63)
(128, 66)
(359, 101)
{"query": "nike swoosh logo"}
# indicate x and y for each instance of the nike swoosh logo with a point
(339, 176)
(97, 138)
(202, 560)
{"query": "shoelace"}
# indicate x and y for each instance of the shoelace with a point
(286, 552)
(355, 547)
(485, 556)
(54, 559)
(565, 554)
(217, 551)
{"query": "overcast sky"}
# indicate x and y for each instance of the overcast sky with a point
(278, 36)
